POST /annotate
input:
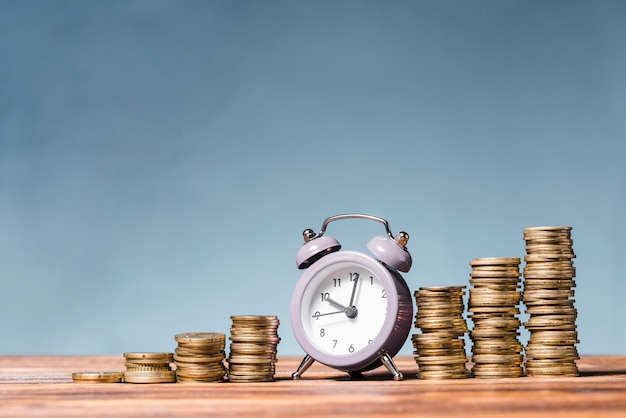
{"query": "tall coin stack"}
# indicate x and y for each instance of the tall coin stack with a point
(440, 349)
(548, 295)
(253, 348)
(493, 303)
(149, 368)
(199, 357)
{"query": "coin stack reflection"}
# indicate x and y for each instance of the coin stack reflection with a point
(493, 302)
(549, 298)
(440, 349)
(199, 357)
(254, 340)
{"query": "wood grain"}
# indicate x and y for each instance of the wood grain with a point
(42, 386)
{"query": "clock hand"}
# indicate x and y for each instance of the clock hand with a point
(337, 304)
(317, 315)
(350, 311)
(356, 280)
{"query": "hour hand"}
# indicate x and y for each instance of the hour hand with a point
(337, 304)
(350, 311)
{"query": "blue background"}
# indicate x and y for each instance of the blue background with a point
(160, 159)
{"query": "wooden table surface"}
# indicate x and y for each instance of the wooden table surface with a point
(42, 386)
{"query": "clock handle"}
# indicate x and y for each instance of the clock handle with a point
(354, 215)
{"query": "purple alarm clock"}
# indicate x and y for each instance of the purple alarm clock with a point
(349, 310)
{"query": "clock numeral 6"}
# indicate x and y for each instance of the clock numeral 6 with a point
(351, 348)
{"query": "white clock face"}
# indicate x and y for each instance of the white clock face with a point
(343, 308)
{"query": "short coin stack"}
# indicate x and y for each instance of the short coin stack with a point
(199, 357)
(548, 295)
(149, 368)
(97, 377)
(493, 302)
(440, 348)
(252, 357)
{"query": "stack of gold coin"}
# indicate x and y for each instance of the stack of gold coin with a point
(149, 368)
(254, 340)
(200, 356)
(493, 303)
(440, 349)
(548, 295)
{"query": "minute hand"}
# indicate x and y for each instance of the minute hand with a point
(317, 315)
(356, 280)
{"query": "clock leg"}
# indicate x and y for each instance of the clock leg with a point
(385, 358)
(305, 364)
(356, 375)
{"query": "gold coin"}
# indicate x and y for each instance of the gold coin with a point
(250, 379)
(254, 339)
(539, 354)
(150, 377)
(490, 333)
(200, 367)
(442, 288)
(490, 261)
(189, 372)
(147, 367)
(497, 322)
(494, 268)
(149, 357)
(549, 293)
(551, 368)
(543, 284)
(512, 274)
(97, 377)
(199, 359)
(200, 337)
(439, 375)
(255, 319)
(543, 257)
(498, 358)
(478, 349)
(243, 359)
(508, 281)
(205, 351)
(454, 359)
(216, 379)
(497, 371)
(547, 228)
(503, 310)
(549, 273)
(549, 264)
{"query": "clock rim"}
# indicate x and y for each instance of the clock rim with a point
(369, 354)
